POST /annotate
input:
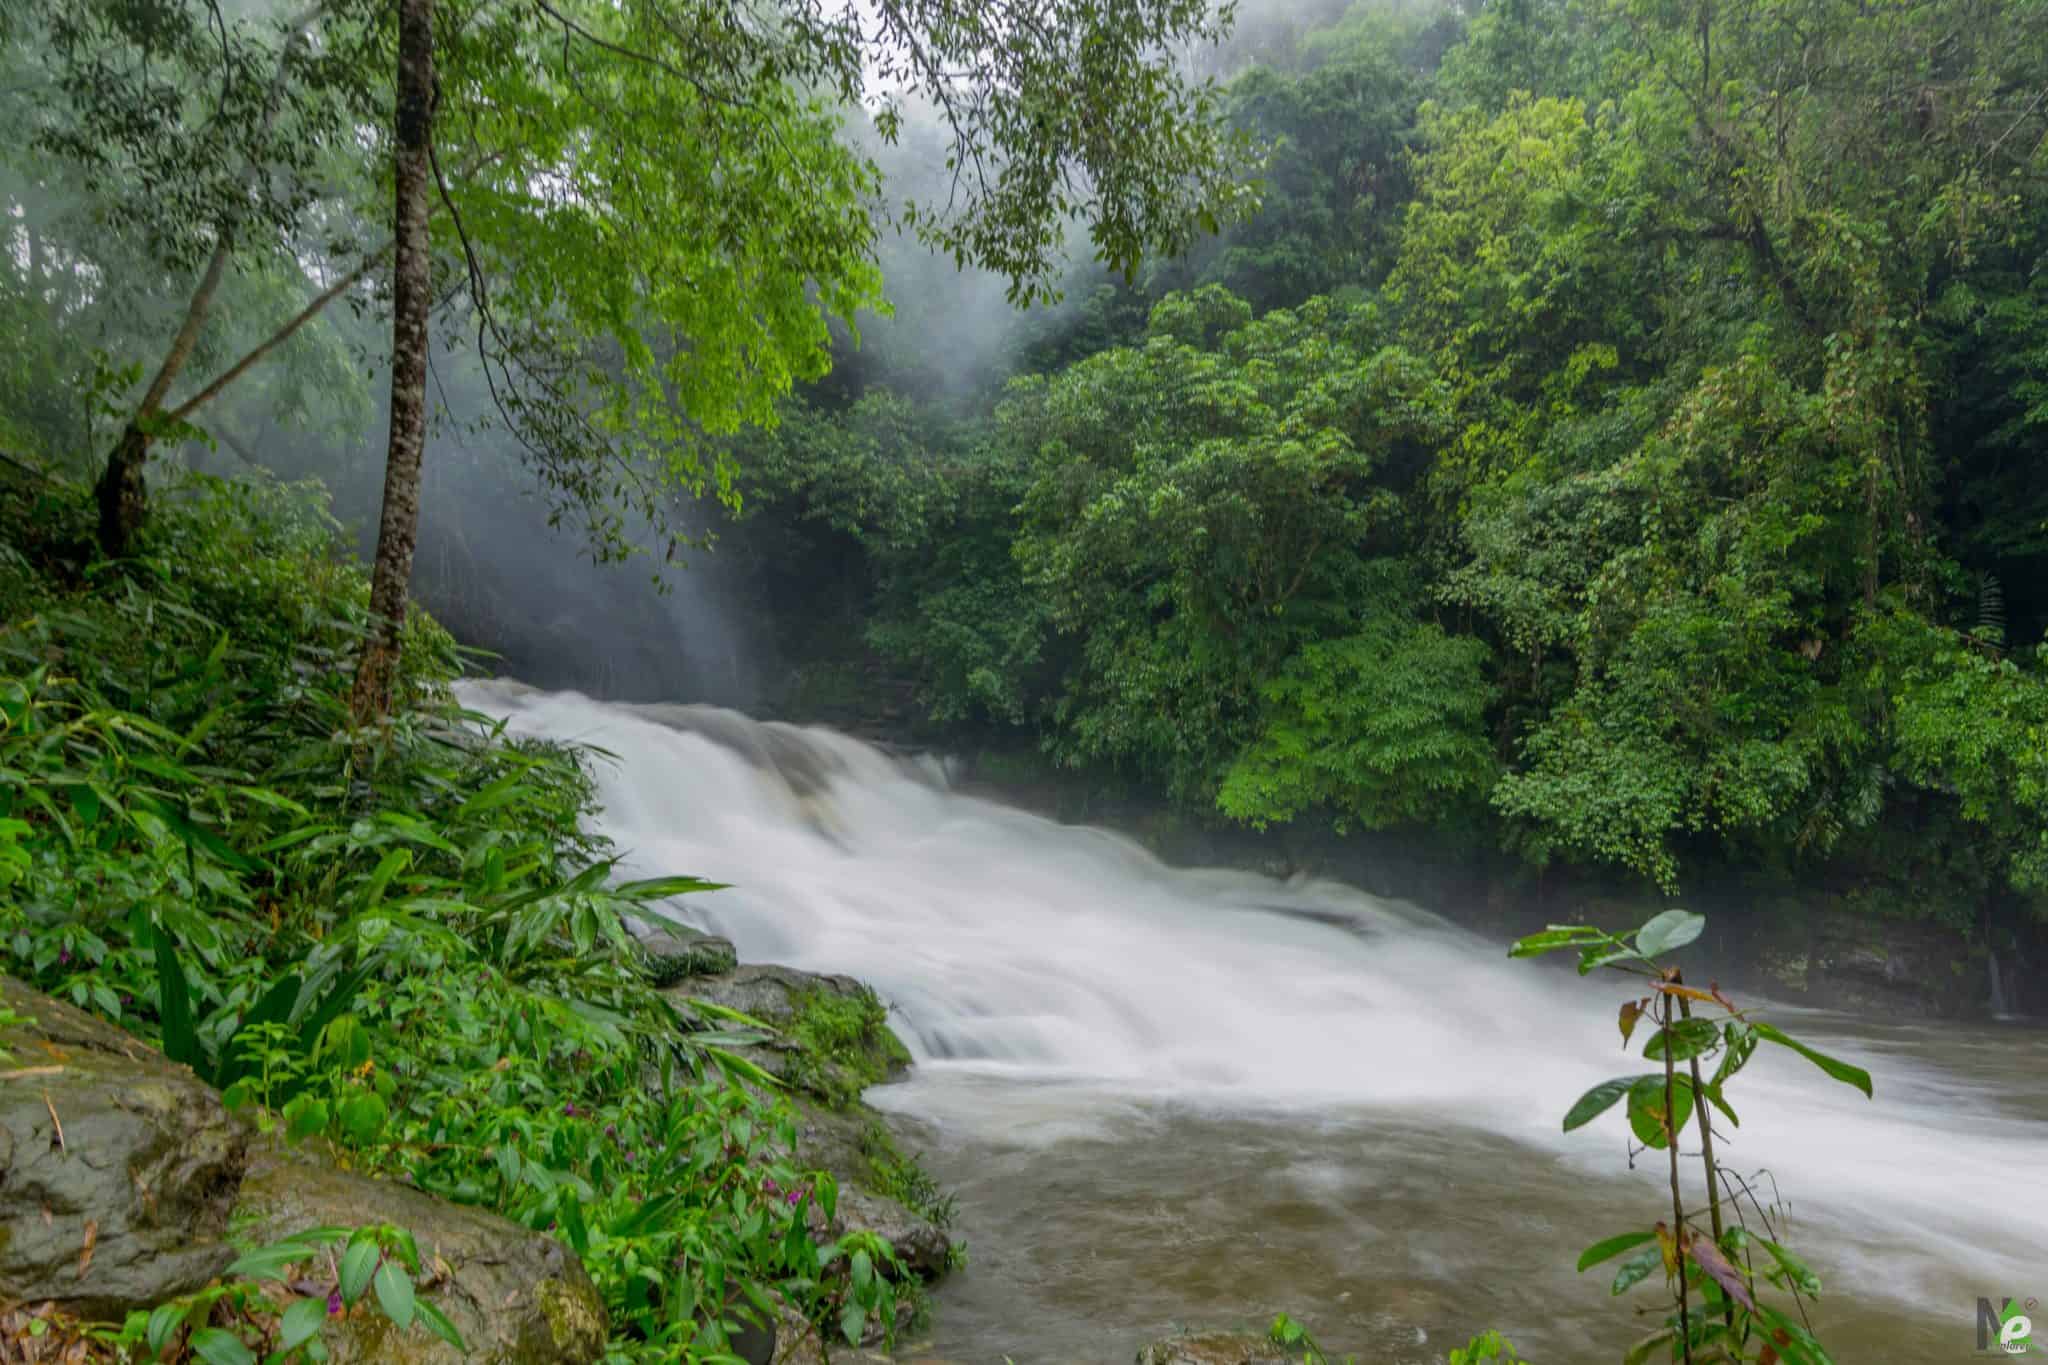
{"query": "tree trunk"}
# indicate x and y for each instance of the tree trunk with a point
(123, 495)
(122, 491)
(411, 297)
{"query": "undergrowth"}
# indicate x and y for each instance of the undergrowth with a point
(402, 941)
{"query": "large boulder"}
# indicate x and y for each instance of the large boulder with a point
(518, 1297)
(118, 1169)
(1214, 1348)
(125, 1182)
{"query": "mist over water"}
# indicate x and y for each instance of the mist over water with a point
(1351, 1101)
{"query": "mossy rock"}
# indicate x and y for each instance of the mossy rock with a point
(518, 1297)
(833, 1039)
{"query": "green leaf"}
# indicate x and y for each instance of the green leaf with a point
(1840, 1070)
(1672, 929)
(174, 1002)
(437, 1323)
(1646, 1114)
(1600, 955)
(1637, 1268)
(852, 1318)
(661, 888)
(394, 1293)
(1739, 1038)
(164, 1321)
(1555, 937)
(1597, 1101)
(363, 1116)
(216, 1347)
(1714, 1097)
(303, 1117)
(1692, 1038)
(1613, 1246)
(264, 1263)
(389, 866)
(1796, 1272)
(358, 1263)
(301, 1322)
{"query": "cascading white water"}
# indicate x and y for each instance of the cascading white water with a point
(1049, 977)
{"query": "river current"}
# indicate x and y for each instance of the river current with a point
(1173, 1097)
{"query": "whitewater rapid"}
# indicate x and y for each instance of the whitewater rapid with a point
(1049, 978)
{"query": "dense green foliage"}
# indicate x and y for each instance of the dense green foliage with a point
(401, 942)
(1616, 443)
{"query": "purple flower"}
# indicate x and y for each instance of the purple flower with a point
(334, 1302)
(569, 1109)
(611, 1130)
(63, 957)
(796, 1196)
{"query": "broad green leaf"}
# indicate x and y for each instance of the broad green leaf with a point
(1840, 1070)
(304, 1116)
(1597, 1101)
(301, 1321)
(1613, 1246)
(1693, 1037)
(1646, 1116)
(1672, 929)
(394, 1293)
(358, 1263)
(164, 1322)
(363, 1116)
(217, 1347)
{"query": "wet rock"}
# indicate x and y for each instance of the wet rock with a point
(137, 1198)
(679, 953)
(118, 1169)
(923, 1247)
(768, 991)
(1213, 1348)
(517, 1297)
(833, 1033)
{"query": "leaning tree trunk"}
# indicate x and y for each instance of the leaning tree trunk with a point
(122, 494)
(412, 268)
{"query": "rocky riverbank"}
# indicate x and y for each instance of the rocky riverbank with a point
(125, 1181)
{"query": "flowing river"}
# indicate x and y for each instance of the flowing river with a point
(1170, 1097)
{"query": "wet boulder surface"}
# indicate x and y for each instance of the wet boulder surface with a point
(124, 1181)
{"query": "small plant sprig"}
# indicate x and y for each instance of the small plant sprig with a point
(229, 1322)
(1709, 1256)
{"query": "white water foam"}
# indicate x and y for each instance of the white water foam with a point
(1043, 974)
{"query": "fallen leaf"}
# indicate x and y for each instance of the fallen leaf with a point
(92, 1238)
